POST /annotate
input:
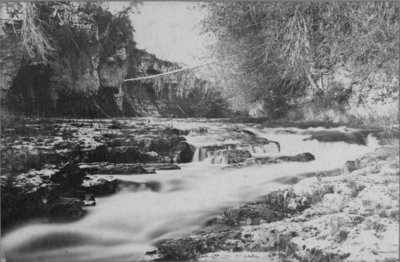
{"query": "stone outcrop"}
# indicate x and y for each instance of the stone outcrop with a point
(87, 80)
(276, 206)
(345, 94)
(319, 219)
(10, 62)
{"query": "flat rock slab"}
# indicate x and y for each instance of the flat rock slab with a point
(303, 157)
(108, 185)
(357, 137)
(126, 169)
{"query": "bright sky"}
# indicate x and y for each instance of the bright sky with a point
(170, 30)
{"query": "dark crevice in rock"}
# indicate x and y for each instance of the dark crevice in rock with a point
(30, 92)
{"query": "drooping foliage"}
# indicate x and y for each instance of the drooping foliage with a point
(274, 50)
(22, 20)
(200, 102)
(50, 27)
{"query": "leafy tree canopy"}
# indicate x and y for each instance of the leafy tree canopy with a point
(272, 50)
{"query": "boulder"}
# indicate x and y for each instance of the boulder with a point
(304, 157)
(65, 209)
(185, 152)
(69, 175)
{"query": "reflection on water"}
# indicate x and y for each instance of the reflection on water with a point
(124, 226)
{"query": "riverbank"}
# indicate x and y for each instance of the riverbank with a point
(346, 215)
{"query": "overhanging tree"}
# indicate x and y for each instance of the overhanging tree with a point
(278, 49)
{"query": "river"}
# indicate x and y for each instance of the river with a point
(124, 226)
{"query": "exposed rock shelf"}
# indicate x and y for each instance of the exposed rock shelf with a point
(348, 215)
(52, 167)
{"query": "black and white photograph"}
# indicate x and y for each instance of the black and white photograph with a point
(218, 131)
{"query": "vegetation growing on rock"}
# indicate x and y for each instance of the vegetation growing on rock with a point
(273, 53)
(74, 58)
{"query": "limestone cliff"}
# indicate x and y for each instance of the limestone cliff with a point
(347, 95)
(10, 60)
(86, 79)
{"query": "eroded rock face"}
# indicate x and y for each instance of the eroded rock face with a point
(112, 70)
(348, 95)
(378, 93)
(10, 62)
(77, 72)
(86, 81)
(64, 86)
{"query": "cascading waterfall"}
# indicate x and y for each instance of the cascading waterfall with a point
(124, 226)
(220, 156)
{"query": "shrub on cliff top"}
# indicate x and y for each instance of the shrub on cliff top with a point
(68, 27)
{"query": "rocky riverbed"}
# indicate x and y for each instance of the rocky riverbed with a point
(47, 165)
(343, 215)
(51, 167)
(68, 177)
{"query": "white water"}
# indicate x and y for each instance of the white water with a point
(124, 226)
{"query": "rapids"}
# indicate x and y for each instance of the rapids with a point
(124, 226)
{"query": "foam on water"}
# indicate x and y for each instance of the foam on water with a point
(124, 226)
